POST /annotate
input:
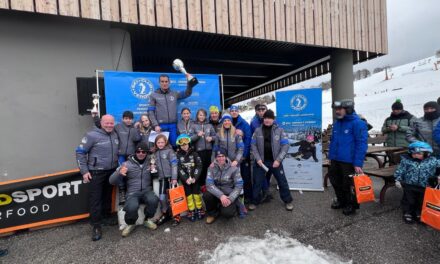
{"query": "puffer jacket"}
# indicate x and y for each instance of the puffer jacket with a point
(138, 176)
(128, 137)
(163, 105)
(98, 151)
(247, 135)
(145, 138)
(234, 146)
(280, 143)
(423, 129)
(166, 162)
(190, 165)
(184, 127)
(436, 134)
(224, 180)
(397, 138)
(349, 140)
(200, 143)
(415, 171)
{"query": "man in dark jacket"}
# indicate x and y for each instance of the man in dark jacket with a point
(136, 171)
(422, 129)
(397, 125)
(348, 147)
(163, 106)
(269, 148)
(97, 158)
(257, 120)
(244, 130)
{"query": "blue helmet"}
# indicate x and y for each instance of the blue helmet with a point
(419, 146)
(183, 139)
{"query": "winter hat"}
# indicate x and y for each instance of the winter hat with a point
(431, 104)
(397, 105)
(128, 114)
(233, 108)
(269, 114)
(226, 116)
(310, 138)
(213, 109)
(142, 146)
(220, 151)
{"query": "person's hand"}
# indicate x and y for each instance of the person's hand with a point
(225, 201)
(276, 164)
(238, 132)
(137, 124)
(123, 170)
(234, 163)
(94, 114)
(260, 163)
(209, 139)
(200, 134)
(358, 170)
(87, 177)
(398, 185)
(189, 181)
(211, 165)
(393, 127)
(173, 182)
(157, 129)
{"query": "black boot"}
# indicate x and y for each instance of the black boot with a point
(96, 233)
(122, 196)
(349, 210)
(408, 218)
(164, 218)
(336, 205)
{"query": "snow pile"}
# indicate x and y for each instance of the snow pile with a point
(272, 249)
(414, 84)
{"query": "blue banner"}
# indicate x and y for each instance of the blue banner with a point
(131, 90)
(299, 113)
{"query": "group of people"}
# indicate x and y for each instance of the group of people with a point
(210, 156)
(417, 169)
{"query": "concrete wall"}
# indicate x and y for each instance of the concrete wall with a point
(40, 58)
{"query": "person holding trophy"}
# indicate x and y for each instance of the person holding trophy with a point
(163, 102)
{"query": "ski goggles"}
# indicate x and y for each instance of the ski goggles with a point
(183, 141)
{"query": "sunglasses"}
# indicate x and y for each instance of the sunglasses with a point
(183, 141)
(141, 152)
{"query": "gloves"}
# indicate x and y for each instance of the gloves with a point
(398, 185)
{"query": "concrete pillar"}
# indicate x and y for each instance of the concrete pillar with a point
(341, 65)
(120, 44)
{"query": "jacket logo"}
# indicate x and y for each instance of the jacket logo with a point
(172, 98)
(116, 141)
(346, 131)
(164, 156)
(141, 88)
(84, 140)
(277, 137)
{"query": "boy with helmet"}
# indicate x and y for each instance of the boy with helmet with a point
(189, 171)
(414, 173)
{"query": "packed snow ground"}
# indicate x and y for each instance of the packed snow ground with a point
(414, 84)
(272, 248)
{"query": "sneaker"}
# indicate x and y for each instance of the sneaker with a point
(150, 225)
(349, 210)
(127, 230)
(252, 207)
(408, 218)
(164, 218)
(176, 221)
(289, 206)
(210, 219)
(96, 233)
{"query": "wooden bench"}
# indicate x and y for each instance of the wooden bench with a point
(387, 174)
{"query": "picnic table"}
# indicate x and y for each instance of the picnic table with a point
(387, 174)
(375, 152)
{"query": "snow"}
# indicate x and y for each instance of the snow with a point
(414, 84)
(272, 248)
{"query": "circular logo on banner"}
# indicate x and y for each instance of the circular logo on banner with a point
(298, 102)
(141, 88)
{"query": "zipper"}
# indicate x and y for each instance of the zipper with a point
(227, 143)
(128, 139)
(142, 174)
(111, 145)
(166, 103)
(161, 166)
(204, 137)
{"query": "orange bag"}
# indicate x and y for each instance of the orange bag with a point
(363, 188)
(177, 200)
(431, 207)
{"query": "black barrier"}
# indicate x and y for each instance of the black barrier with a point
(42, 200)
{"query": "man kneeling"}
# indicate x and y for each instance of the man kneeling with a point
(139, 188)
(223, 184)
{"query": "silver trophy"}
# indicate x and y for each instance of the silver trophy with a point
(178, 66)
(153, 164)
(95, 102)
